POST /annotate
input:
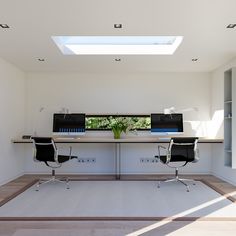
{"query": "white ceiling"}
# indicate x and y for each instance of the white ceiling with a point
(201, 22)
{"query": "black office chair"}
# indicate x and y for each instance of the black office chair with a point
(180, 152)
(46, 151)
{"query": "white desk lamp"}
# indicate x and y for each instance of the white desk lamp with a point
(40, 110)
(172, 110)
(64, 110)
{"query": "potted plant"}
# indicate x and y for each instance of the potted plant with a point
(119, 125)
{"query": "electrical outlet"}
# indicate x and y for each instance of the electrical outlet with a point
(142, 160)
(154, 160)
(149, 160)
(86, 160)
(91, 160)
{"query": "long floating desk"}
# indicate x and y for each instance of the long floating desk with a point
(112, 140)
(118, 143)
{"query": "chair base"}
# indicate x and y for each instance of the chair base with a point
(177, 179)
(64, 180)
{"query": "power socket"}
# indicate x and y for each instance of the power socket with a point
(86, 160)
(149, 160)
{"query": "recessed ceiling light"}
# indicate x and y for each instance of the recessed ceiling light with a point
(4, 26)
(117, 26)
(41, 59)
(231, 26)
(117, 45)
(194, 59)
(117, 59)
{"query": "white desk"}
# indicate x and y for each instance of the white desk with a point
(112, 140)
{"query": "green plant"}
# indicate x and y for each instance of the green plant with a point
(120, 124)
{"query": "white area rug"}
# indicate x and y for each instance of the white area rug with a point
(119, 199)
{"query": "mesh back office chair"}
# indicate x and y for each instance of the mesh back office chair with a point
(180, 151)
(46, 151)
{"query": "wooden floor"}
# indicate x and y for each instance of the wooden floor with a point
(119, 228)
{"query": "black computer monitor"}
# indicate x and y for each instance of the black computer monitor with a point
(166, 123)
(72, 124)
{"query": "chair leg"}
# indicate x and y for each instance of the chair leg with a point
(43, 181)
(37, 186)
(171, 180)
(179, 180)
(67, 183)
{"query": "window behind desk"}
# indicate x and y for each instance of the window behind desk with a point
(102, 122)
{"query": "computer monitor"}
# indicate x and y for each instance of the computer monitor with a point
(166, 123)
(72, 124)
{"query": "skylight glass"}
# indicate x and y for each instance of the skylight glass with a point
(117, 45)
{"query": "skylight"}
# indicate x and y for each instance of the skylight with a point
(117, 45)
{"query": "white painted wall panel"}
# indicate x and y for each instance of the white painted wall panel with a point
(12, 118)
(217, 107)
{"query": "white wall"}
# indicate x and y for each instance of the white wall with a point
(218, 167)
(12, 118)
(118, 93)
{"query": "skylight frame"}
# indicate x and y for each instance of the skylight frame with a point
(117, 45)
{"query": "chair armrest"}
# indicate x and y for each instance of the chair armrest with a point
(196, 159)
(34, 154)
(70, 151)
(159, 150)
(70, 154)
